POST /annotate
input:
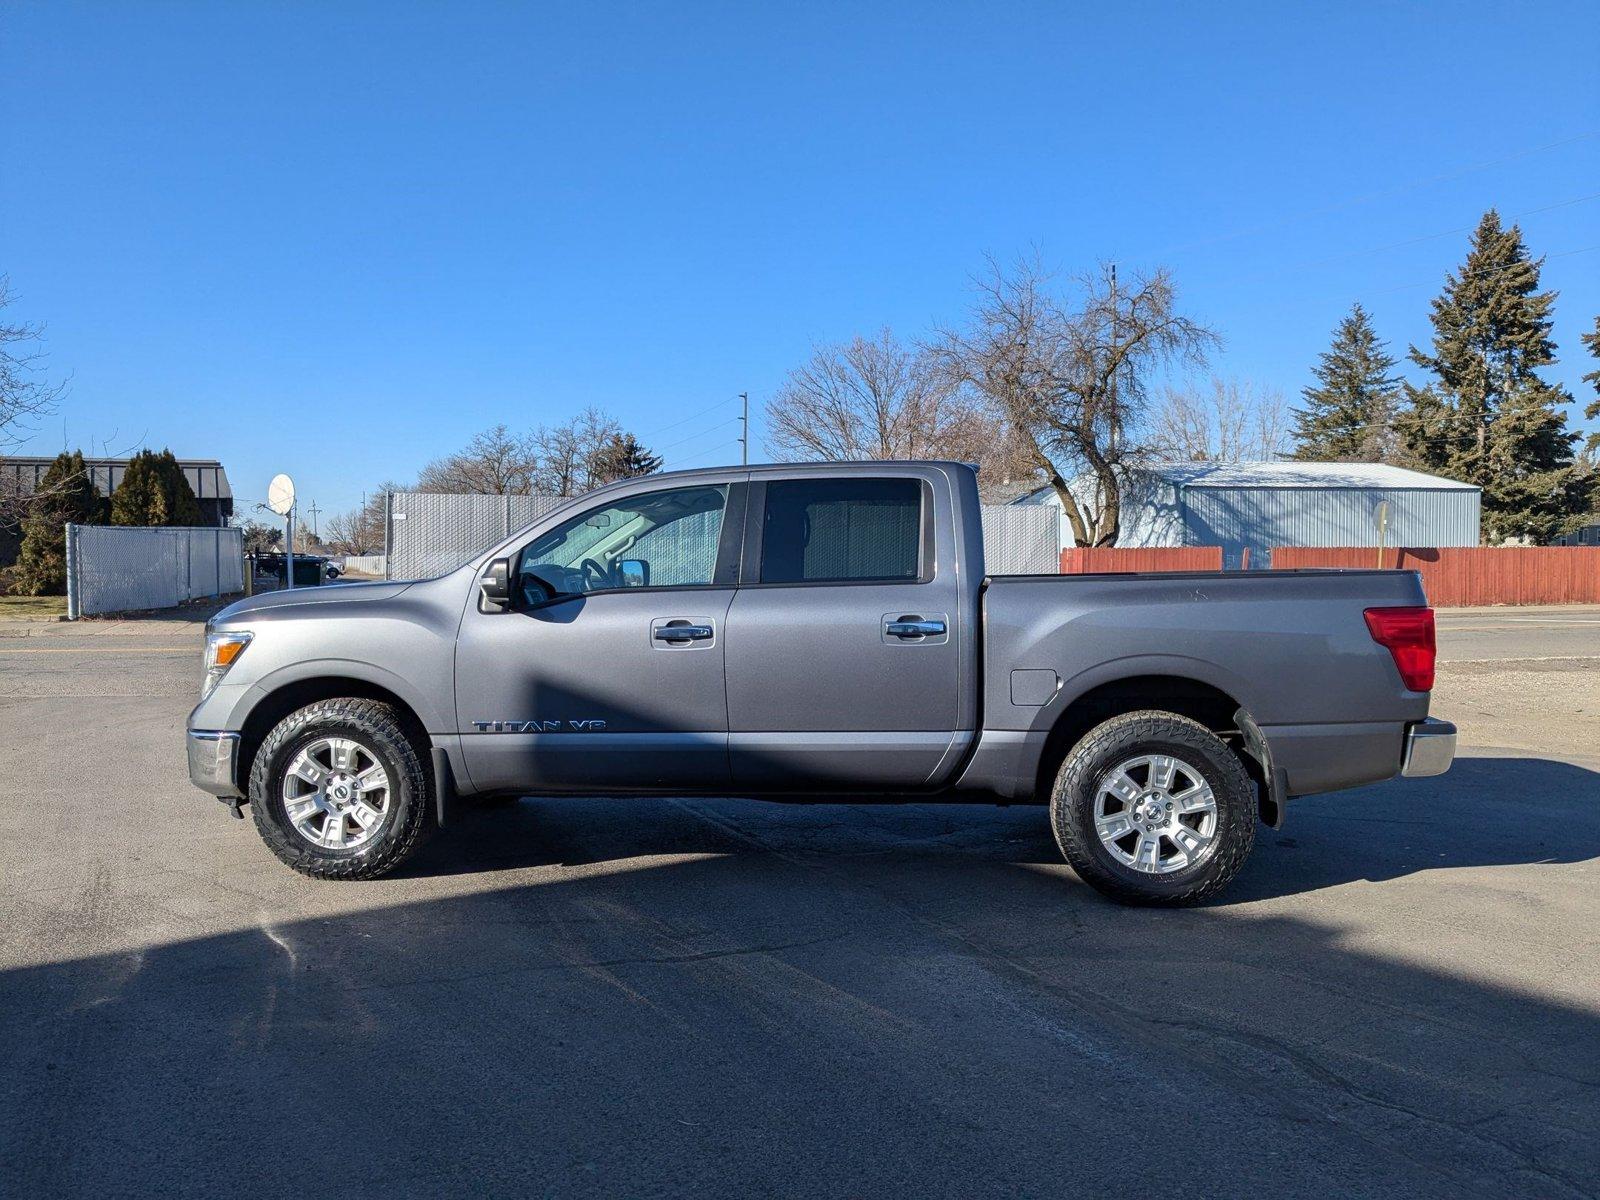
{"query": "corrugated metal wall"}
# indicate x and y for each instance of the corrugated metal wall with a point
(1261, 518)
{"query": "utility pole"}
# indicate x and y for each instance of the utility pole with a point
(314, 511)
(744, 430)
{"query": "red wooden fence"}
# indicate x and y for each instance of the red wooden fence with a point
(1460, 575)
(1110, 559)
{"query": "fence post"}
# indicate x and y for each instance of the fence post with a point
(388, 532)
(73, 599)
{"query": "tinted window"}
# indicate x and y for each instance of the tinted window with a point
(819, 530)
(658, 539)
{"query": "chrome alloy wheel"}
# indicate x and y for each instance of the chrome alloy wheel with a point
(1156, 814)
(336, 793)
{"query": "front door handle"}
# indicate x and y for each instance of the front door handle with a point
(683, 633)
(913, 627)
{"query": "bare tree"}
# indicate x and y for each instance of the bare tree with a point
(493, 463)
(568, 455)
(878, 398)
(1074, 381)
(1230, 421)
(24, 396)
(361, 530)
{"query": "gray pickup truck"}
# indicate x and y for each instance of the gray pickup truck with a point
(811, 629)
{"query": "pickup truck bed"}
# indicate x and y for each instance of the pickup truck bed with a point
(1290, 648)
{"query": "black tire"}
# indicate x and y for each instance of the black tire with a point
(1092, 760)
(406, 817)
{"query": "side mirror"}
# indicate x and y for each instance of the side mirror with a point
(633, 573)
(495, 584)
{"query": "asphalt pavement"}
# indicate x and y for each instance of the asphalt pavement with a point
(1400, 996)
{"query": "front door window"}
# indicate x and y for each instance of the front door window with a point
(659, 539)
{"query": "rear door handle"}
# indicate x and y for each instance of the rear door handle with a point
(913, 627)
(682, 633)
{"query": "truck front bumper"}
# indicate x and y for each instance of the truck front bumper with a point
(214, 761)
(1430, 748)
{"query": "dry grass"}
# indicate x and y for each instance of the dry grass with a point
(32, 608)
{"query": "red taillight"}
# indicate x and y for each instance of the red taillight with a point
(1408, 633)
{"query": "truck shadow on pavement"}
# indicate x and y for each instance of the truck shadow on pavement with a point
(1485, 812)
(727, 998)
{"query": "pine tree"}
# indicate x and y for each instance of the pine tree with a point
(66, 493)
(622, 457)
(1347, 417)
(1486, 416)
(1592, 413)
(154, 491)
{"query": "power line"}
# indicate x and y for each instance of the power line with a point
(1430, 237)
(1356, 201)
(693, 436)
(1491, 270)
(685, 420)
(703, 453)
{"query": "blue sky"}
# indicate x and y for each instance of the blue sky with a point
(338, 239)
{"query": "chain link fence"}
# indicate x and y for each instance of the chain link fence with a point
(117, 568)
(1021, 539)
(430, 533)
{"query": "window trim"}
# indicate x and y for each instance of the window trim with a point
(724, 571)
(756, 521)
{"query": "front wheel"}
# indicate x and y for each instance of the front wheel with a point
(1153, 808)
(338, 790)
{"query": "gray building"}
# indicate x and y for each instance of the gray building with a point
(21, 474)
(1259, 505)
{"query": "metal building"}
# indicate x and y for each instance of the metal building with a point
(1259, 505)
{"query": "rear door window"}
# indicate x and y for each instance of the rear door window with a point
(842, 530)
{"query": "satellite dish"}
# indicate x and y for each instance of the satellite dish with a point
(280, 495)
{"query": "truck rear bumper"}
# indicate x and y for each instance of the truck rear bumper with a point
(1430, 748)
(213, 761)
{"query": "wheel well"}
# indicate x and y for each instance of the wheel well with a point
(1210, 706)
(279, 704)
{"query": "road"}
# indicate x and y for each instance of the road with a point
(1399, 997)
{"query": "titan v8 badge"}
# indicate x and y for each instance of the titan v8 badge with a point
(591, 726)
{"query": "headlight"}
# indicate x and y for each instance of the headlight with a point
(222, 651)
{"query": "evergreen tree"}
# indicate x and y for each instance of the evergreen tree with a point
(1347, 416)
(66, 493)
(154, 491)
(1592, 413)
(1486, 416)
(622, 457)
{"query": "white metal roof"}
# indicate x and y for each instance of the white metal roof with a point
(1302, 475)
(1298, 475)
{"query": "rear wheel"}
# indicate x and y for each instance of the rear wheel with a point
(338, 790)
(1154, 808)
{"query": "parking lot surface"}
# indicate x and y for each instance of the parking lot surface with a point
(584, 997)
